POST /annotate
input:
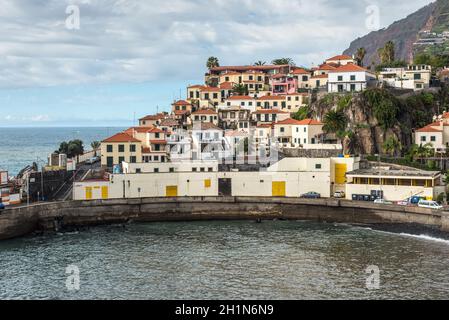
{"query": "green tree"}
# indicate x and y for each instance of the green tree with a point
(212, 62)
(283, 61)
(360, 56)
(392, 146)
(335, 122)
(95, 146)
(72, 148)
(302, 113)
(387, 53)
(240, 89)
(260, 63)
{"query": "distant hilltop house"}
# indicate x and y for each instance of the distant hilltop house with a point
(435, 134)
(415, 77)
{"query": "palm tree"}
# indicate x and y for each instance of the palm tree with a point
(95, 146)
(360, 55)
(392, 146)
(283, 61)
(387, 53)
(425, 151)
(240, 89)
(260, 63)
(212, 62)
(335, 122)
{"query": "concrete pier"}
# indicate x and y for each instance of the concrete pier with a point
(16, 222)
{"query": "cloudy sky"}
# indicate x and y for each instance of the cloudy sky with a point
(131, 57)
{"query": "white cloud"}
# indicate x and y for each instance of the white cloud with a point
(134, 41)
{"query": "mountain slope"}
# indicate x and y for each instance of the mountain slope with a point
(403, 33)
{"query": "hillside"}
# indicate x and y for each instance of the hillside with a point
(404, 32)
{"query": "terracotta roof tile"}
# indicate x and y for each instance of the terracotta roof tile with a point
(121, 137)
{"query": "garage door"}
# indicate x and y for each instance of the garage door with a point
(171, 191)
(340, 173)
(278, 189)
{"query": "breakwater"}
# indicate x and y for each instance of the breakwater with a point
(20, 221)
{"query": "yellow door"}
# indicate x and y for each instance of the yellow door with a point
(207, 183)
(340, 173)
(171, 191)
(104, 192)
(278, 189)
(88, 193)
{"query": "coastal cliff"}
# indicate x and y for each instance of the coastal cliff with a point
(376, 115)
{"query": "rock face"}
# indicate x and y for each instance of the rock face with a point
(367, 132)
(403, 33)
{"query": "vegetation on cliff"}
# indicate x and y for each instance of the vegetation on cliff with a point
(376, 120)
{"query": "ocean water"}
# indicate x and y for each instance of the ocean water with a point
(20, 147)
(225, 260)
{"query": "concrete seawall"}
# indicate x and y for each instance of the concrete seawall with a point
(16, 222)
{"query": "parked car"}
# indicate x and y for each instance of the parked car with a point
(403, 203)
(339, 194)
(382, 201)
(430, 205)
(2, 206)
(92, 160)
(311, 195)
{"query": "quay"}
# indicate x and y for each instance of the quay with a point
(57, 216)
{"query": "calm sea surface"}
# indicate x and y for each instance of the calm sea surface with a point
(225, 260)
(20, 147)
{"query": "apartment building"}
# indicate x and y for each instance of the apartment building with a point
(119, 148)
(349, 78)
(415, 77)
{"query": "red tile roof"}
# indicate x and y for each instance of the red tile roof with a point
(429, 128)
(180, 112)
(205, 111)
(310, 122)
(158, 116)
(326, 67)
(158, 142)
(227, 85)
(350, 67)
(320, 76)
(340, 57)
(121, 137)
(196, 86)
(131, 130)
(288, 121)
(181, 103)
(300, 71)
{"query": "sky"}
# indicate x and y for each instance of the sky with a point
(109, 62)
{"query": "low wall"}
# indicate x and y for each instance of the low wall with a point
(15, 222)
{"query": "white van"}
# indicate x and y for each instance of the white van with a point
(430, 205)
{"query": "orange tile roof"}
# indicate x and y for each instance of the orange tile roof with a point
(196, 86)
(227, 85)
(429, 128)
(210, 89)
(231, 73)
(266, 125)
(300, 71)
(180, 112)
(326, 67)
(340, 57)
(131, 130)
(310, 122)
(181, 103)
(205, 111)
(158, 142)
(158, 116)
(288, 121)
(208, 126)
(350, 67)
(121, 137)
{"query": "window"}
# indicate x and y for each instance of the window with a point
(417, 76)
(156, 170)
(156, 158)
(206, 96)
(110, 162)
(282, 129)
(305, 129)
(121, 159)
(138, 170)
(227, 79)
(157, 135)
(202, 169)
(132, 148)
(194, 170)
(433, 138)
(251, 78)
(171, 170)
(318, 166)
(340, 78)
(305, 78)
(352, 78)
(109, 148)
(191, 94)
(210, 169)
(215, 95)
(275, 104)
(423, 139)
(352, 87)
(121, 148)
(132, 159)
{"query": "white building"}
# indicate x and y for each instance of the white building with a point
(349, 78)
